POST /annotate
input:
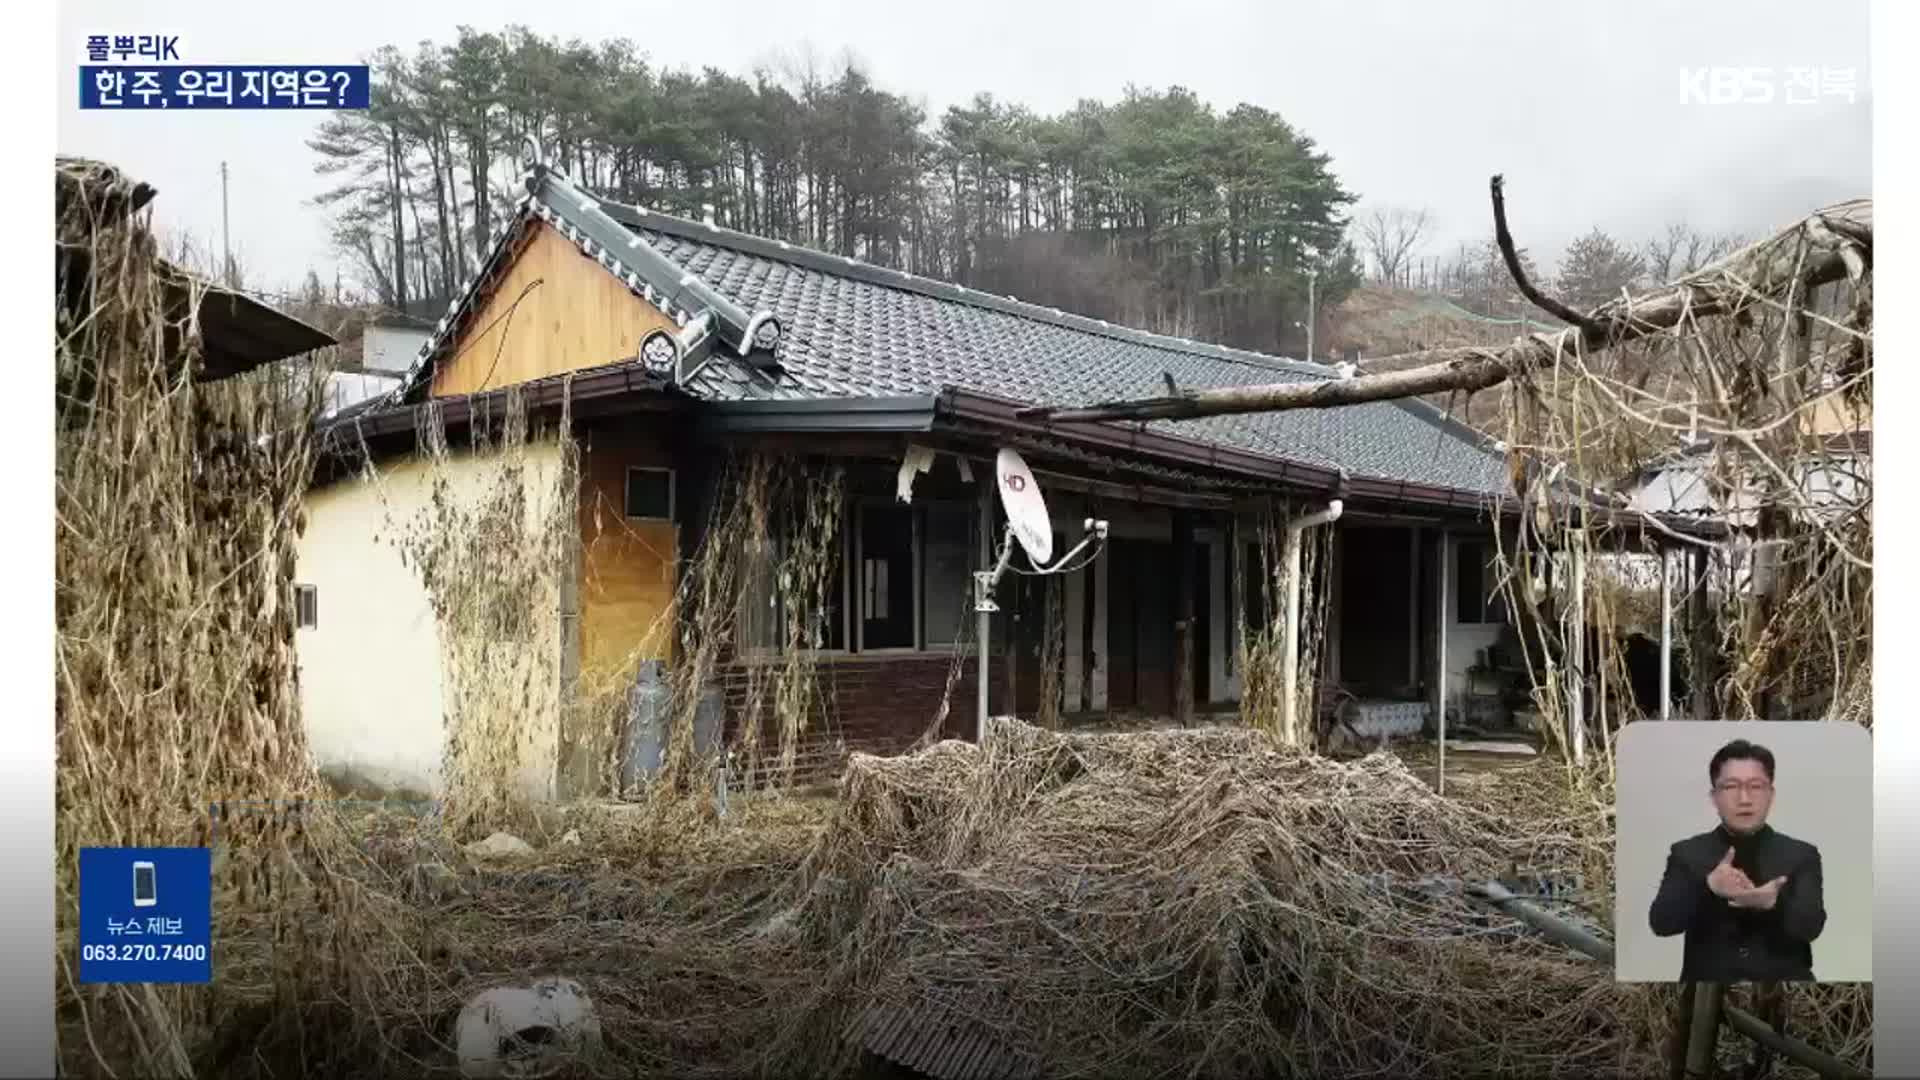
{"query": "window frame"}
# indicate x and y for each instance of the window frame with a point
(626, 492)
(852, 598)
(767, 654)
(916, 554)
(1489, 605)
(922, 637)
(306, 598)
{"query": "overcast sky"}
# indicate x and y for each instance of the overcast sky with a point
(1579, 105)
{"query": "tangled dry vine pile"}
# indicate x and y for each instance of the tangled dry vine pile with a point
(1153, 903)
(1199, 902)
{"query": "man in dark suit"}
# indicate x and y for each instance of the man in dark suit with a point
(1746, 897)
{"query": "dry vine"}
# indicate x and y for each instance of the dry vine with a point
(772, 538)
(1262, 648)
(178, 504)
(490, 529)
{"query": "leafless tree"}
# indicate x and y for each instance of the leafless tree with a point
(1683, 250)
(1389, 234)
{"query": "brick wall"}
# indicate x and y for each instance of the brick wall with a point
(875, 704)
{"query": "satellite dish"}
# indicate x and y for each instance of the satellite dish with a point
(1026, 510)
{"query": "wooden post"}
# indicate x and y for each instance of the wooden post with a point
(1097, 651)
(1015, 590)
(1666, 635)
(1413, 606)
(1442, 616)
(1183, 617)
(1218, 637)
(1700, 673)
(1769, 1004)
(1703, 1036)
(1765, 575)
(989, 551)
(1073, 620)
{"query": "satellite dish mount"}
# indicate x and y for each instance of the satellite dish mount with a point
(1029, 524)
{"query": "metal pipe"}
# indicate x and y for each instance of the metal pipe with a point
(1789, 1047)
(1290, 645)
(1549, 925)
(1704, 1012)
(984, 583)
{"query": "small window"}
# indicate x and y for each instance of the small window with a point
(1476, 595)
(306, 607)
(650, 494)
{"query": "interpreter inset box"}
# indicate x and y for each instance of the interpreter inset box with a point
(1743, 852)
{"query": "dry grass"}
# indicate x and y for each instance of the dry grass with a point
(177, 507)
(1200, 902)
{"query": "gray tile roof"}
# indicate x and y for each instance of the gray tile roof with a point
(848, 329)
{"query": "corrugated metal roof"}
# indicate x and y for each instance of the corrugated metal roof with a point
(939, 1042)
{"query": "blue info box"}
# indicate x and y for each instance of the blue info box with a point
(146, 915)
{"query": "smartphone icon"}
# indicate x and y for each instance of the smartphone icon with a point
(145, 894)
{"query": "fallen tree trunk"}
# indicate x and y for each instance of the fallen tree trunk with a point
(1828, 245)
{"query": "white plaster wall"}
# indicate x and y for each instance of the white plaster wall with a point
(370, 671)
(348, 388)
(1463, 641)
(390, 348)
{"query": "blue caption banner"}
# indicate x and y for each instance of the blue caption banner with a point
(146, 915)
(192, 86)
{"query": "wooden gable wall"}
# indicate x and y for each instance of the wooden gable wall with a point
(553, 311)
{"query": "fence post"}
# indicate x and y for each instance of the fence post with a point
(1680, 1040)
(1703, 1036)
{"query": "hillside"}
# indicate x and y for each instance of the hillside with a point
(1375, 322)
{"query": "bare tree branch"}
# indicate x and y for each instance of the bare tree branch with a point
(1541, 300)
(1802, 256)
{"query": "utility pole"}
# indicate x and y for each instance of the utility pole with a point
(1312, 276)
(226, 247)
